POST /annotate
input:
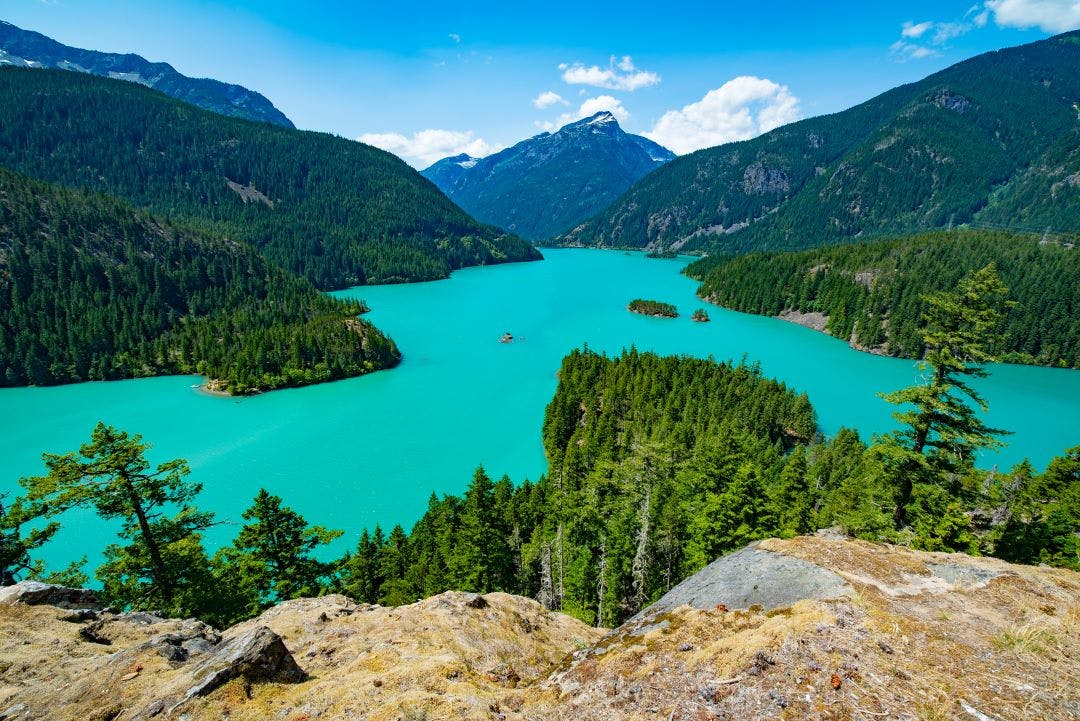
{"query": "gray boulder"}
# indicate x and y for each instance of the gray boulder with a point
(751, 577)
(36, 593)
(257, 655)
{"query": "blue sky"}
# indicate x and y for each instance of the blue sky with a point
(431, 79)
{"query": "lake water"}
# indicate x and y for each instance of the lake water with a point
(372, 449)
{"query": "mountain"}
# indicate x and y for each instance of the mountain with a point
(549, 183)
(93, 289)
(873, 294)
(448, 171)
(804, 628)
(334, 211)
(993, 139)
(28, 49)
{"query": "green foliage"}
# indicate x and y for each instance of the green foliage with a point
(656, 465)
(942, 431)
(17, 545)
(162, 565)
(991, 139)
(874, 294)
(334, 211)
(92, 289)
(1043, 514)
(280, 544)
(653, 307)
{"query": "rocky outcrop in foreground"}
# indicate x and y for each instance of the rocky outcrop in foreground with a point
(806, 628)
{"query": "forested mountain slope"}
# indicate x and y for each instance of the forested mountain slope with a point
(93, 289)
(25, 48)
(873, 294)
(335, 211)
(549, 183)
(993, 138)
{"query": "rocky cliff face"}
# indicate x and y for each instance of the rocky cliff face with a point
(24, 48)
(807, 628)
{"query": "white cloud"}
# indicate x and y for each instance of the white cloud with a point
(911, 51)
(915, 30)
(547, 99)
(740, 109)
(427, 146)
(591, 106)
(1051, 16)
(620, 74)
(923, 40)
(455, 37)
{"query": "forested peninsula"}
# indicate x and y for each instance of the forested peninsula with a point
(93, 289)
(873, 295)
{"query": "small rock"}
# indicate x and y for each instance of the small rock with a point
(80, 615)
(35, 593)
(835, 681)
(175, 654)
(12, 712)
(92, 633)
(154, 709)
(759, 663)
(686, 647)
(777, 698)
(475, 600)
(377, 683)
(885, 647)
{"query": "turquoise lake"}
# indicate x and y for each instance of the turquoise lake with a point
(353, 453)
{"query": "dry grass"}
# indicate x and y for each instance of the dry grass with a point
(1029, 638)
(1009, 649)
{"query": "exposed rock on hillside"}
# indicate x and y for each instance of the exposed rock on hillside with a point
(807, 628)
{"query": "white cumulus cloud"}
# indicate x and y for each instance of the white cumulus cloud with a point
(1051, 16)
(426, 146)
(741, 108)
(620, 74)
(591, 106)
(547, 99)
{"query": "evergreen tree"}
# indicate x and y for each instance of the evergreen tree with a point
(163, 564)
(282, 544)
(942, 430)
(15, 545)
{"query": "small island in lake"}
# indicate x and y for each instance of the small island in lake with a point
(699, 316)
(653, 307)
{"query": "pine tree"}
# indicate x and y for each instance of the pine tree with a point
(111, 474)
(942, 430)
(16, 546)
(282, 545)
(481, 557)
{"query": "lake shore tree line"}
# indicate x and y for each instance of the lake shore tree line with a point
(657, 465)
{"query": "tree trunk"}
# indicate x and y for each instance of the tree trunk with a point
(161, 576)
